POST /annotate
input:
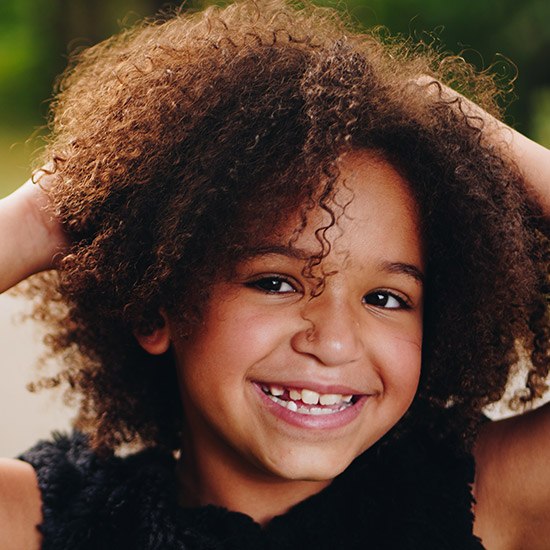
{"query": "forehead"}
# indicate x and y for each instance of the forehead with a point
(374, 214)
(372, 188)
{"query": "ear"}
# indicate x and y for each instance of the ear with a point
(156, 342)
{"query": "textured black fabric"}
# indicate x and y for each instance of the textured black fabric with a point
(410, 494)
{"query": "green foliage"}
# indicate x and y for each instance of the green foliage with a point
(513, 37)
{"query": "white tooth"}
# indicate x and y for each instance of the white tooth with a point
(292, 406)
(310, 397)
(347, 398)
(277, 391)
(330, 399)
(295, 395)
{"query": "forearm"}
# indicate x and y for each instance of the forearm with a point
(534, 162)
(532, 159)
(29, 237)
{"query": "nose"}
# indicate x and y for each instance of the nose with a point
(332, 332)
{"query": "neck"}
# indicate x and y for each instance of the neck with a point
(221, 479)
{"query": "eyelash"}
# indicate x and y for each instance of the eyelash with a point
(403, 304)
(256, 283)
(384, 294)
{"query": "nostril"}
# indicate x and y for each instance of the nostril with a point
(332, 336)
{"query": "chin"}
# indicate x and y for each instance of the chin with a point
(311, 468)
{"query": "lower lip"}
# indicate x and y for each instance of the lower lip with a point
(321, 422)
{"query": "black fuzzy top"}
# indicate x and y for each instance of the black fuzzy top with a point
(410, 494)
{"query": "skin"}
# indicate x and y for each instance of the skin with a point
(362, 336)
(512, 477)
(39, 240)
(20, 506)
(512, 486)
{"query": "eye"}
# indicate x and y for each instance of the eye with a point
(386, 300)
(272, 285)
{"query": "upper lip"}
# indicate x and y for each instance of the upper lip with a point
(315, 386)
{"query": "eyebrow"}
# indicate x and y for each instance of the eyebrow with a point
(399, 268)
(289, 251)
(402, 268)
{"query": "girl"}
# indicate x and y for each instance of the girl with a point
(291, 270)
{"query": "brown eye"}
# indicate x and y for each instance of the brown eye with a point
(386, 300)
(273, 285)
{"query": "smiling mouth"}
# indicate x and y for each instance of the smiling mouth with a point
(308, 402)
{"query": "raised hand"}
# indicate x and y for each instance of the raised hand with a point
(31, 239)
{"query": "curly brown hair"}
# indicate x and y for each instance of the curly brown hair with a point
(181, 144)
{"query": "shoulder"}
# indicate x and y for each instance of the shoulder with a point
(81, 490)
(20, 505)
(512, 485)
(58, 469)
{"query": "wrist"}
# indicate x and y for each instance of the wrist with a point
(32, 233)
(44, 230)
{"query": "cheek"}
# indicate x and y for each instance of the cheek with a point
(255, 335)
(402, 363)
(232, 342)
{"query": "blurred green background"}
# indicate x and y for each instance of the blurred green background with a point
(36, 36)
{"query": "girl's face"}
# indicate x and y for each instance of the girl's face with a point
(280, 383)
